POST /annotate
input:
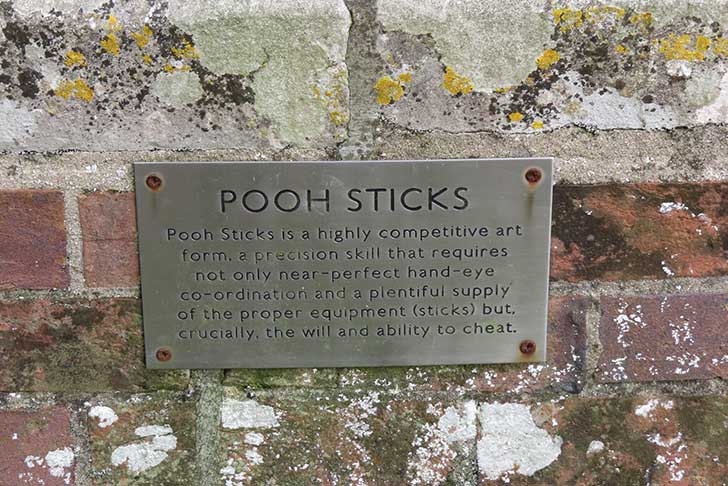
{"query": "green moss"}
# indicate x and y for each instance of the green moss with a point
(706, 420)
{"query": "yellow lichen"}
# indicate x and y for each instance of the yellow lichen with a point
(515, 117)
(78, 89)
(720, 46)
(546, 59)
(455, 83)
(537, 125)
(568, 19)
(621, 49)
(110, 43)
(142, 38)
(331, 92)
(388, 90)
(503, 90)
(113, 25)
(74, 58)
(147, 59)
(644, 18)
(187, 51)
(678, 47)
(170, 68)
(405, 77)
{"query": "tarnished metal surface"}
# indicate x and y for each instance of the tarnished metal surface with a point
(316, 264)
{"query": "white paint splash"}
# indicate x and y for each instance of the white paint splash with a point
(254, 438)
(141, 456)
(237, 414)
(668, 207)
(512, 443)
(433, 451)
(646, 409)
(595, 447)
(673, 452)
(58, 462)
(105, 415)
(458, 425)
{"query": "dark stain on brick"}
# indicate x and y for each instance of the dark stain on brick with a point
(86, 317)
(28, 81)
(18, 34)
(598, 242)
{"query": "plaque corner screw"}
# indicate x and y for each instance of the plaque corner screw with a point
(533, 175)
(153, 182)
(163, 354)
(527, 347)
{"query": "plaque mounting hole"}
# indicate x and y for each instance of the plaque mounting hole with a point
(164, 354)
(154, 182)
(533, 175)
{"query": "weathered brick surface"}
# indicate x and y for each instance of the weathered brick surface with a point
(36, 448)
(645, 231)
(108, 223)
(367, 437)
(351, 437)
(76, 345)
(142, 440)
(646, 440)
(662, 338)
(283, 377)
(33, 236)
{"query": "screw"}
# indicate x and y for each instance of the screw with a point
(533, 175)
(527, 347)
(154, 182)
(164, 354)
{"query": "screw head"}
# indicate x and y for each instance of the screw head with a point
(533, 175)
(164, 354)
(154, 182)
(527, 347)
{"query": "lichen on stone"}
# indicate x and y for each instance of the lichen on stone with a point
(388, 90)
(455, 83)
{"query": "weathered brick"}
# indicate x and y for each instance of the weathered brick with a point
(633, 440)
(108, 223)
(142, 440)
(661, 338)
(36, 448)
(645, 231)
(563, 370)
(282, 377)
(343, 437)
(368, 437)
(76, 345)
(33, 236)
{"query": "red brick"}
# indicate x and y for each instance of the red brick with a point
(33, 236)
(617, 232)
(27, 438)
(76, 345)
(661, 338)
(110, 255)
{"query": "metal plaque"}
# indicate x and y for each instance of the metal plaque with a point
(333, 264)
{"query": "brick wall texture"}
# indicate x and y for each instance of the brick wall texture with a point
(629, 97)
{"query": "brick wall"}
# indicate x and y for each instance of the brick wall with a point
(630, 98)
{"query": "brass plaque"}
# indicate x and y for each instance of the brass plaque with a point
(336, 264)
